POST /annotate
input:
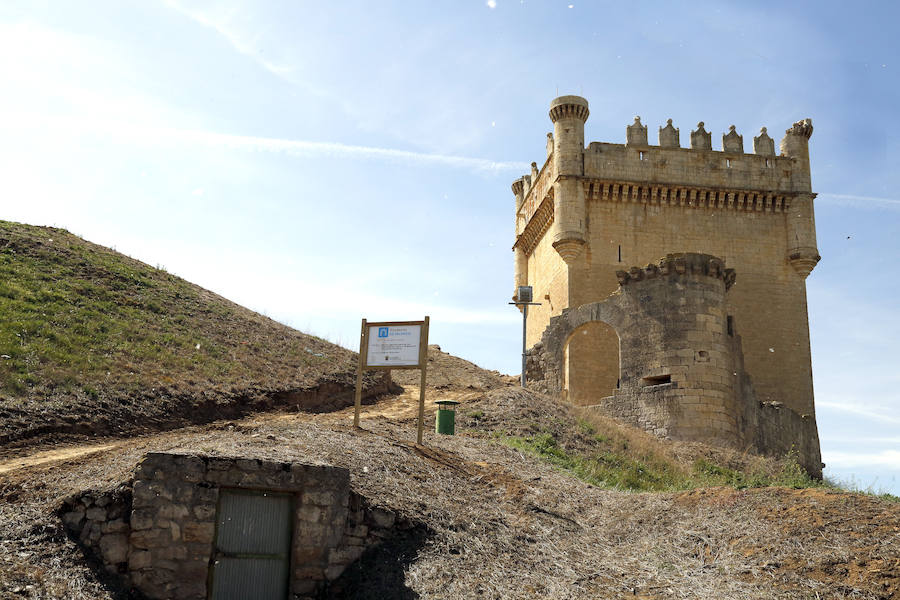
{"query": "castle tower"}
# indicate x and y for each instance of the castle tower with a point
(589, 212)
(568, 114)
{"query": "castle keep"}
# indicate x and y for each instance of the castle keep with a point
(673, 280)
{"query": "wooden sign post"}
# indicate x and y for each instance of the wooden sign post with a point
(393, 345)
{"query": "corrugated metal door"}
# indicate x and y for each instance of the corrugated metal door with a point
(253, 546)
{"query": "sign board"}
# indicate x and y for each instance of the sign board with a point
(393, 345)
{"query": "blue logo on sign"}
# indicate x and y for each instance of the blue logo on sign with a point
(382, 332)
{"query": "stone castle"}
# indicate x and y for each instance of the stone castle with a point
(707, 338)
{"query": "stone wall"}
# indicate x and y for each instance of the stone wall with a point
(681, 366)
(100, 521)
(158, 532)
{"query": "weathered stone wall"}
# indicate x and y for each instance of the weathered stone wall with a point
(682, 374)
(781, 431)
(100, 521)
(159, 532)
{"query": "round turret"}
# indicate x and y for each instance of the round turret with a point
(569, 107)
(568, 114)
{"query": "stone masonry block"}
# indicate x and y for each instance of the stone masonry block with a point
(114, 548)
(199, 532)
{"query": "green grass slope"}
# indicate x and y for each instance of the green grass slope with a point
(92, 341)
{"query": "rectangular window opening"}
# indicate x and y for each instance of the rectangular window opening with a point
(729, 323)
(620, 253)
(728, 163)
(657, 380)
(641, 154)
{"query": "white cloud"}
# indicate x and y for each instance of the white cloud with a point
(885, 458)
(451, 121)
(492, 4)
(223, 23)
(131, 133)
(869, 411)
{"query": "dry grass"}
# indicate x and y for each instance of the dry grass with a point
(507, 525)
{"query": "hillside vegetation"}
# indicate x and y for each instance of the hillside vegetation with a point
(93, 341)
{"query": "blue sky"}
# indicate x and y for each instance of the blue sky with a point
(324, 162)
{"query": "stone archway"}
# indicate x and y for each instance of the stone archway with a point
(590, 363)
(547, 360)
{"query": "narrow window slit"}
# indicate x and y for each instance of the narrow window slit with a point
(657, 380)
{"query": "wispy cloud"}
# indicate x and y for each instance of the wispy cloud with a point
(870, 412)
(133, 133)
(884, 458)
(221, 25)
(861, 201)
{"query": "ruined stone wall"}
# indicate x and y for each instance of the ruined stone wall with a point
(768, 303)
(682, 373)
(158, 532)
(101, 521)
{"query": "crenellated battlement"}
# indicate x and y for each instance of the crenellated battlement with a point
(679, 264)
(698, 176)
(569, 107)
(701, 139)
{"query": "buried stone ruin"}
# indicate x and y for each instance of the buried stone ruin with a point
(191, 527)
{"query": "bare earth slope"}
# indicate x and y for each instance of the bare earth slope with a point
(94, 342)
(498, 523)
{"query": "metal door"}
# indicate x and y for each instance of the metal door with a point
(253, 546)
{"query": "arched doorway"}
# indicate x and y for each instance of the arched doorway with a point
(591, 363)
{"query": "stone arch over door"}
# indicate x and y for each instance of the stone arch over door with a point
(547, 359)
(591, 365)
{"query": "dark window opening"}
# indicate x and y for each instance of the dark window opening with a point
(620, 253)
(657, 379)
(729, 324)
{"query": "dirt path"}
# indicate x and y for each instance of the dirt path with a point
(402, 407)
(50, 456)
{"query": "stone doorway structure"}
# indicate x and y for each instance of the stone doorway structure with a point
(585, 382)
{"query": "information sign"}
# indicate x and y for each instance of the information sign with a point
(393, 345)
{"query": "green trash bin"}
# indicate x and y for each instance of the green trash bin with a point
(445, 420)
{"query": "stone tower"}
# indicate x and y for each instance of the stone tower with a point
(590, 212)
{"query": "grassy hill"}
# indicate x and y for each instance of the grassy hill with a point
(92, 341)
